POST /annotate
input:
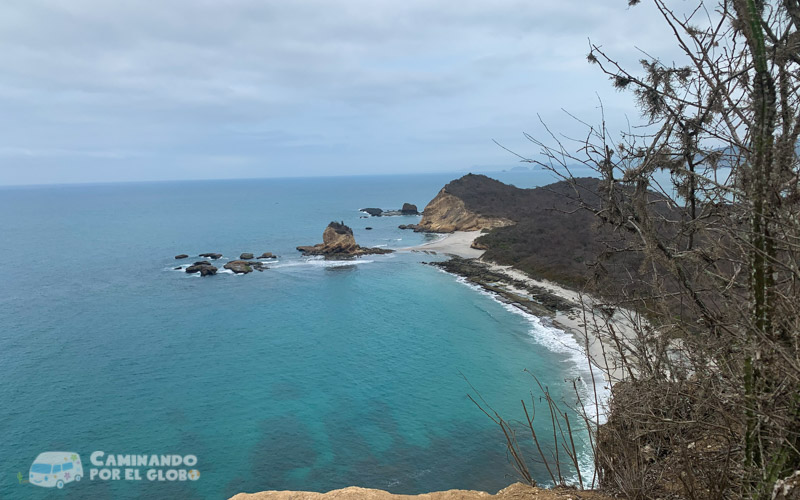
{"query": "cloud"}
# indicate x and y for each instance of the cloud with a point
(431, 82)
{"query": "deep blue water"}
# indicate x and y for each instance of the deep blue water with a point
(311, 375)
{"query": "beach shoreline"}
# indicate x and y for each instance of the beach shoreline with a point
(581, 315)
(456, 243)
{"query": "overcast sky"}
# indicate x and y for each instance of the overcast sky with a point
(99, 90)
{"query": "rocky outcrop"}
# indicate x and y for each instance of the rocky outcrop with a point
(181, 256)
(516, 491)
(212, 256)
(204, 267)
(447, 213)
(244, 266)
(239, 266)
(338, 242)
(409, 209)
(478, 245)
(246, 256)
(267, 255)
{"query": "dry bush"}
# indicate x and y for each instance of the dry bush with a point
(710, 407)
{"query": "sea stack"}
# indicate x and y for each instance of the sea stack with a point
(338, 242)
(409, 209)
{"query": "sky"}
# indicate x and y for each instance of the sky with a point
(108, 91)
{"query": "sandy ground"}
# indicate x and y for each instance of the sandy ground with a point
(516, 491)
(457, 243)
(591, 327)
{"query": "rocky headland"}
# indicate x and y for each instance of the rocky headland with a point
(447, 213)
(338, 242)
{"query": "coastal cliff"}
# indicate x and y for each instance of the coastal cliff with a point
(338, 241)
(447, 213)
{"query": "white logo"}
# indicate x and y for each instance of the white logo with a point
(55, 468)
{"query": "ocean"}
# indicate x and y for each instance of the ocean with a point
(311, 375)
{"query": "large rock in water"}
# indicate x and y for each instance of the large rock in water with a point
(409, 209)
(239, 266)
(338, 241)
(375, 212)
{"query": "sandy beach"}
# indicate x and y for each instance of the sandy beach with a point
(585, 318)
(457, 243)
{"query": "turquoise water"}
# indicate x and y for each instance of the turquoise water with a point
(311, 375)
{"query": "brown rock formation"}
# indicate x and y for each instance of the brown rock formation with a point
(516, 491)
(338, 242)
(447, 213)
(239, 266)
(203, 267)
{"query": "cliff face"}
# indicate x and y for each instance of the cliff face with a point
(338, 242)
(447, 213)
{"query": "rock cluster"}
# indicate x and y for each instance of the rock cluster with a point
(408, 209)
(245, 264)
(204, 267)
(338, 242)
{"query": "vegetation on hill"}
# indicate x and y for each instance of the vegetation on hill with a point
(715, 414)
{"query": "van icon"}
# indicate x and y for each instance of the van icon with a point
(55, 468)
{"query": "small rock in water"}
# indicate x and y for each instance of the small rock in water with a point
(267, 255)
(182, 256)
(213, 256)
(368, 228)
(409, 209)
(239, 266)
(203, 267)
(246, 256)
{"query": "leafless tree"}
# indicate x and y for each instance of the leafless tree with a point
(707, 191)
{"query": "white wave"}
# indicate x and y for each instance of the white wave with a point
(320, 262)
(225, 271)
(561, 342)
